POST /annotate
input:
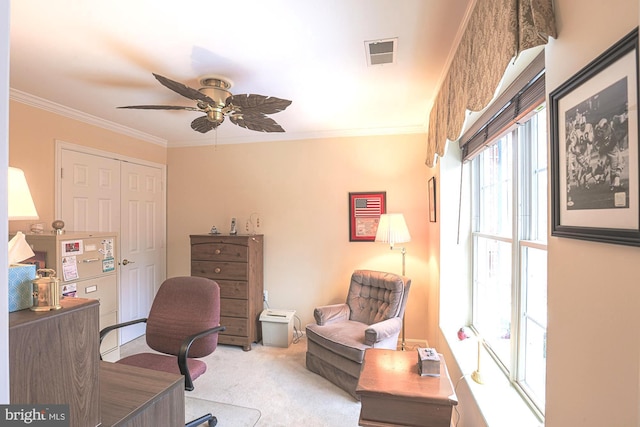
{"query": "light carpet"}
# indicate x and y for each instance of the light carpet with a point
(272, 381)
(227, 415)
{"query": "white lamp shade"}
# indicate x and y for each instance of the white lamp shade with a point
(392, 229)
(20, 202)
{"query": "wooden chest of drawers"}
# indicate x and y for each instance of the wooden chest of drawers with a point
(236, 263)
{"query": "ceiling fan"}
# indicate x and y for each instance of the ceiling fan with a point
(214, 99)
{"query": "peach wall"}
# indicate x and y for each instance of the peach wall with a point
(593, 350)
(300, 190)
(32, 136)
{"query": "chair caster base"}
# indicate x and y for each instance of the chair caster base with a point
(209, 419)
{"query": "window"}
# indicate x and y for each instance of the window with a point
(509, 232)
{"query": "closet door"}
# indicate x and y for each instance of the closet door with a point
(90, 192)
(100, 193)
(142, 249)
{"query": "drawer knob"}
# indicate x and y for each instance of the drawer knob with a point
(217, 251)
(217, 270)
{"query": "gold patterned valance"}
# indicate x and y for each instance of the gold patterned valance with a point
(497, 31)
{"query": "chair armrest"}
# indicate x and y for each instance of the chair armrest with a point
(331, 313)
(184, 353)
(105, 331)
(381, 330)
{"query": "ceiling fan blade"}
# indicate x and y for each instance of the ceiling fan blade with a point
(161, 107)
(251, 103)
(183, 90)
(203, 124)
(258, 122)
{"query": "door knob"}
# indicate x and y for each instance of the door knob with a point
(126, 261)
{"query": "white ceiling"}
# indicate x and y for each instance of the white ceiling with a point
(87, 57)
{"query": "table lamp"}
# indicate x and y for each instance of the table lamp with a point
(21, 207)
(392, 229)
(20, 202)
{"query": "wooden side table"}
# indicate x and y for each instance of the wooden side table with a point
(393, 393)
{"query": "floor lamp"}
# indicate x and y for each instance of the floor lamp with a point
(392, 229)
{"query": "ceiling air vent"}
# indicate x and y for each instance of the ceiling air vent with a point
(381, 52)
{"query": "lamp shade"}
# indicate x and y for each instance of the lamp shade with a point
(20, 202)
(392, 229)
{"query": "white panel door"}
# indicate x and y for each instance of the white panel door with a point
(90, 192)
(99, 193)
(142, 251)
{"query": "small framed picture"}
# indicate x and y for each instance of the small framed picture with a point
(432, 199)
(365, 209)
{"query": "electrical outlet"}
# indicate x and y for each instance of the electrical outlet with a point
(265, 296)
(254, 223)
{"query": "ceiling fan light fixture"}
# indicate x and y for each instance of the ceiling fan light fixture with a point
(219, 96)
(214, 80)
(215, 116)
(216, 88)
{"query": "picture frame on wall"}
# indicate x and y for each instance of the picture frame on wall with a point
(365, 209)
(432, 199)
(595, 191)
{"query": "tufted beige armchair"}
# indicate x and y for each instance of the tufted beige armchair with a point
(371, 317)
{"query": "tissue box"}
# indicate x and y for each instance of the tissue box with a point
(428, 362)
(20, 286)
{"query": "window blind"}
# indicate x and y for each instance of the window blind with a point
(514, 105)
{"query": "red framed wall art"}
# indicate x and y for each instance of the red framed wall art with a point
(365, 209)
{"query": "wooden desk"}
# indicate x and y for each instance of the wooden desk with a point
(131, 396)
(53, 359)
(393, 393)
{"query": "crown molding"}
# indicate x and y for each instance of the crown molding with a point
(301, 136)
(59, 109)
(55, 108)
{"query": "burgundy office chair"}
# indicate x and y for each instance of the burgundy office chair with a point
(183, 324)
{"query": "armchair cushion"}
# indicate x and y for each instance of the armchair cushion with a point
(382, 330)
(375, 296)
(331, 313)
(343, 338)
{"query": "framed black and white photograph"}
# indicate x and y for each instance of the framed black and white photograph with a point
(594, 149)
